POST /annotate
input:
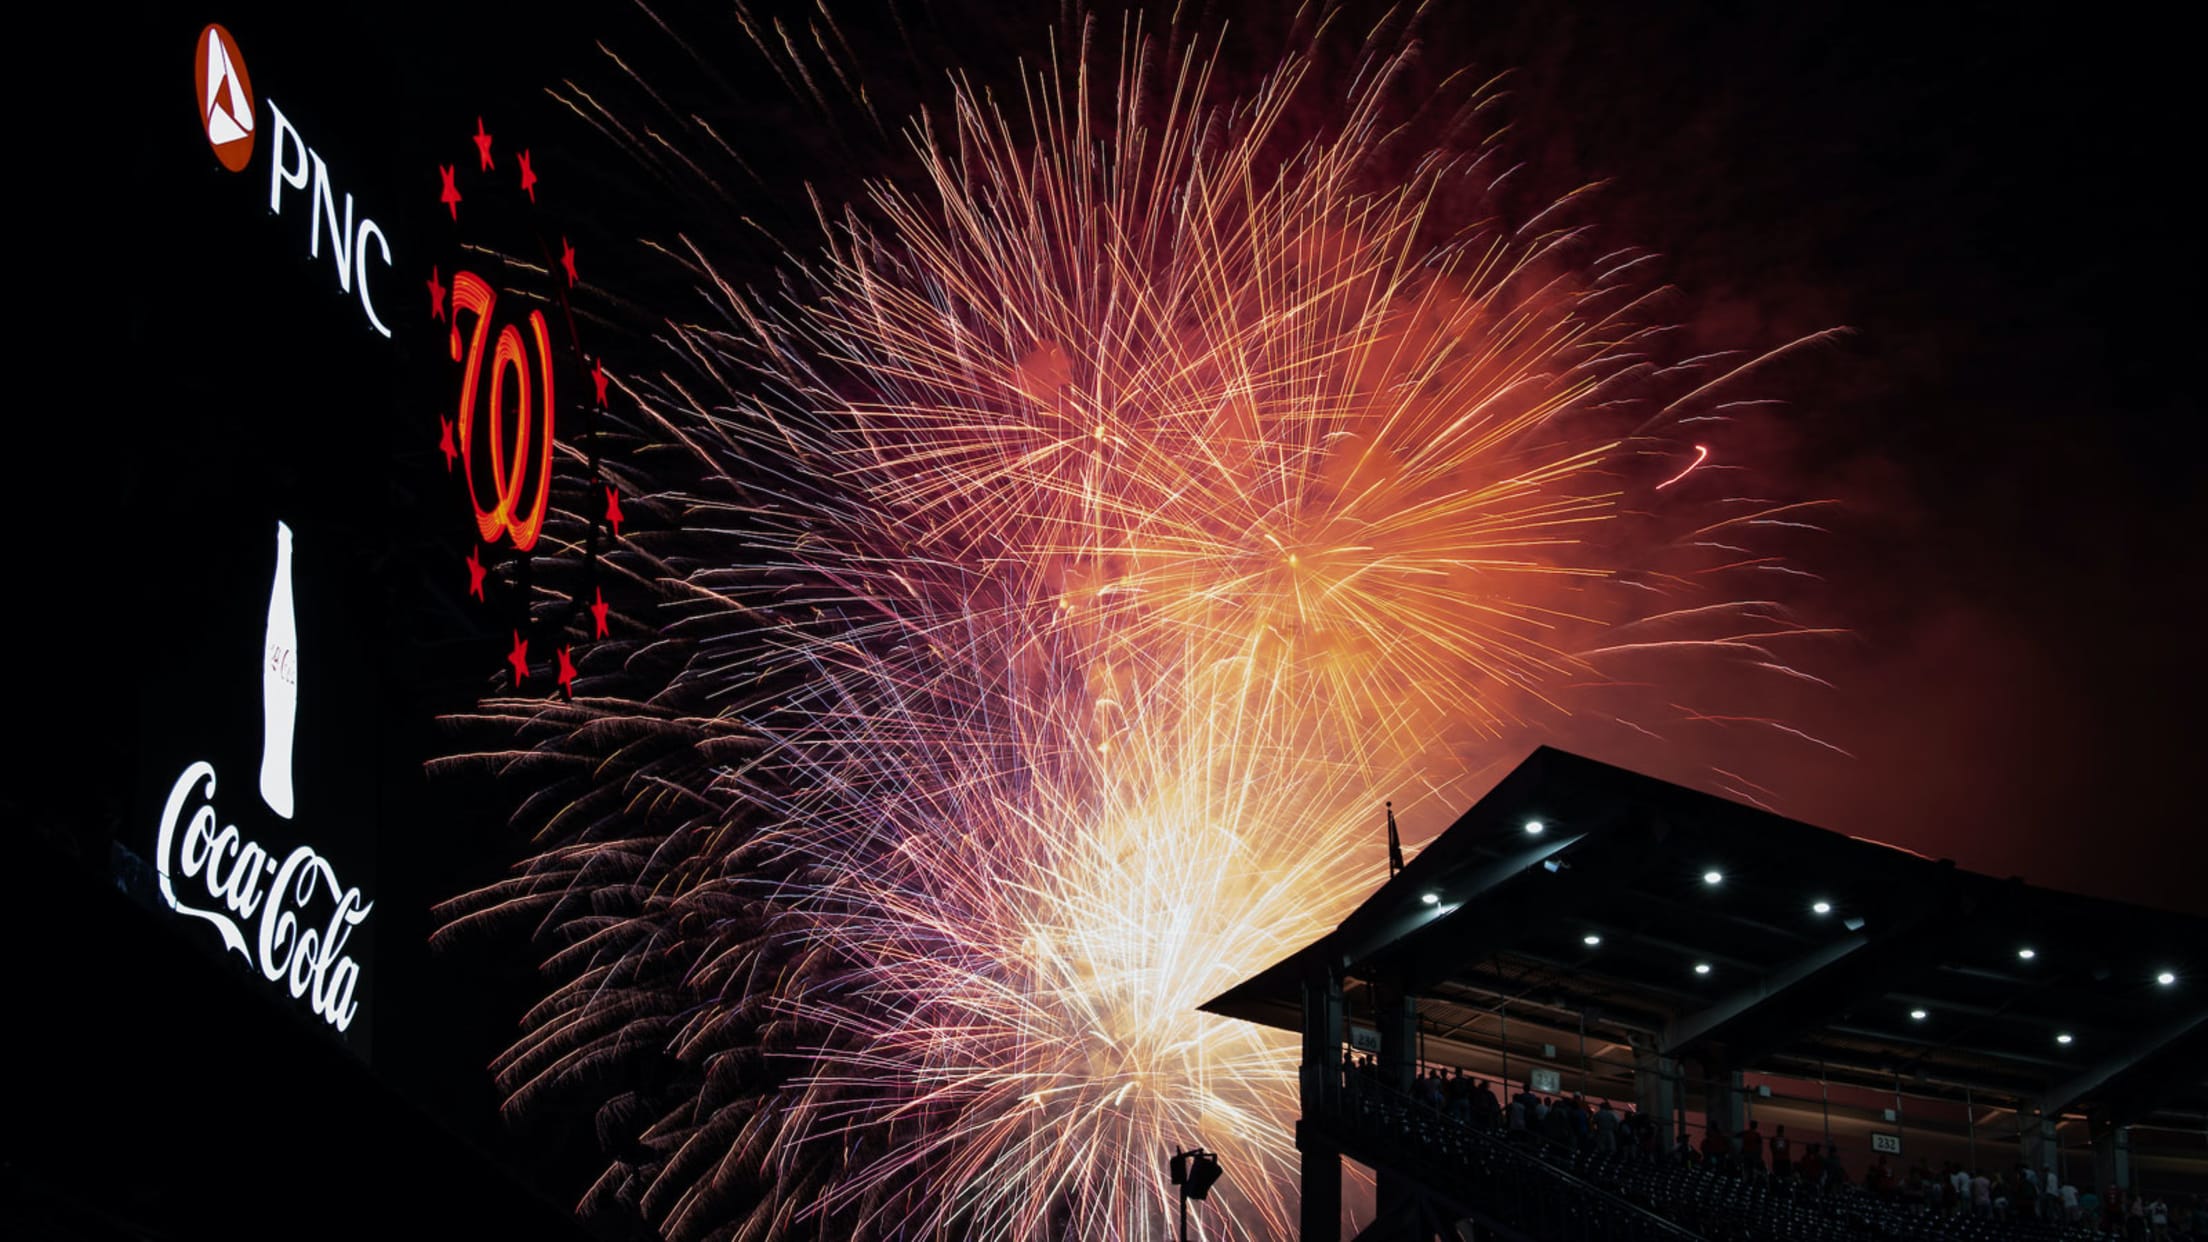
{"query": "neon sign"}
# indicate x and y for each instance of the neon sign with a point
(246, 879)
(510, 463)
(226, 109)
(500, 433)
(301, 915)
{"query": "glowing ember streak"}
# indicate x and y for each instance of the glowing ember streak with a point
(1075, 554)
(1701, 454)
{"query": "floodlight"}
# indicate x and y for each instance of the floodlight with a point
(1701, 968)
(1821, 907)
(1203, 1170)
(1919, 1014)
(2027, 953)
(1431, 899)
(2166, 978)
(1713, 877)
(1534, 827)
(1590, 940)
(2063, 1038)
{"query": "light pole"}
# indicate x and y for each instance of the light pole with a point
(1193, 1171)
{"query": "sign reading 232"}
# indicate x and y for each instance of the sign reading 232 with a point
(521, 456)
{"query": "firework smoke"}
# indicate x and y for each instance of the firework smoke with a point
(1063, 565)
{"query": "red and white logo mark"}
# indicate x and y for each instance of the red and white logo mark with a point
(225, 97)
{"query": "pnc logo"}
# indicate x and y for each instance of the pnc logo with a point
(225, 98)
(226, 112)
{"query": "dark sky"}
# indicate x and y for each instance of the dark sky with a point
(1992, 200)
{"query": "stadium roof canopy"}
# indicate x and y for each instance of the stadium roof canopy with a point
(1821, 948)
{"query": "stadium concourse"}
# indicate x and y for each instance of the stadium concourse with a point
(1950, 1055)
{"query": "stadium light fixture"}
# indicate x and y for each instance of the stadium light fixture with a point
(1701, 968)
(1919, 1014)
(1590, 940)
(1820, 907)
(1431, 899)
(2063, 1038)
(1193, 1171)
(1713, 877)
(1535, 827)
(2166, 978)
(2027, 953)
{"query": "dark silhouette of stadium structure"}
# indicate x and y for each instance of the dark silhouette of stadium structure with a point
(1605, 935)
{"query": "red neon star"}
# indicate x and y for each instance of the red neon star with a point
(598, 610)
(436, 296)
(519, 658)
(444, 444)
(598, 378)
(482, 144)
(451, 196)
(567, 260)
(567, 674)
(613, 510)
(475, 575)
(528, 177)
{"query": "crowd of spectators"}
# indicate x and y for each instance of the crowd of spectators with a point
(1570, 1129)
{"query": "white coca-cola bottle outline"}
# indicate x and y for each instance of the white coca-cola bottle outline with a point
(279, 683)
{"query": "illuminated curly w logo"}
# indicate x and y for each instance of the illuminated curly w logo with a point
(520, 480)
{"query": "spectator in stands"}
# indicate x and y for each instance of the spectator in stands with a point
(1879, 1179)
(1922, 1189)
(1981, 1193)
(1751, 1147)
(1606, 1129)
(2050, 1196)
(1519, 1125)
(1812, 1167)
(1556, 1125)
(1486, 1109)
(1684, 1153)
(1835, 1176)
(2073, 1204)
(2089, 1208)
(1582, 1126)
(1715, 1150)
(1460, 1097)
(1782, 1154)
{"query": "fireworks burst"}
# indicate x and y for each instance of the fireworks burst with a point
(1063, 566)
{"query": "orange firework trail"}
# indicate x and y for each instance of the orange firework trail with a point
(1066, 563)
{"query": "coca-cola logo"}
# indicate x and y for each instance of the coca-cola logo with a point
(300, 914)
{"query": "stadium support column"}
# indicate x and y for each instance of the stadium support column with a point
(1398, 1018)
(1721, 1095)
(2037, 1139)
(2111, 1152)
(1321, 1081)
(1654, 1092)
